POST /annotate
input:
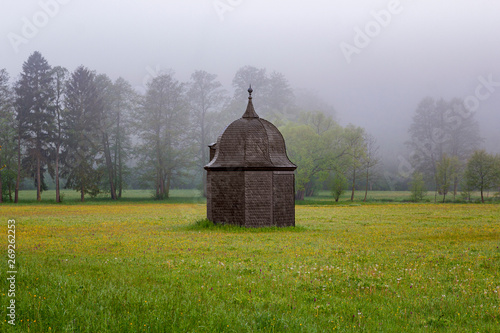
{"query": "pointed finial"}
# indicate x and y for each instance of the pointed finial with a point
(250, 112)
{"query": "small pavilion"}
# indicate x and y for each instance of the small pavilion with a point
(250, 180)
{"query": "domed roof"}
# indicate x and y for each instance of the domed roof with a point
(250, 143)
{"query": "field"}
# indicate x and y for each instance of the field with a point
(144, 266)
(194, 196)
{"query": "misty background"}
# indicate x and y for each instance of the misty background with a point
(424, 49)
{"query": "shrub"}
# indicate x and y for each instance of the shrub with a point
(417, 187)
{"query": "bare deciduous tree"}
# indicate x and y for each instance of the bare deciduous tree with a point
(206, 96)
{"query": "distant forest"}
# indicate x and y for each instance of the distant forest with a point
(82, 131)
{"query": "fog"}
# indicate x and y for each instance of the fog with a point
(406, 50)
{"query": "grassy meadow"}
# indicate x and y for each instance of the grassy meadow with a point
(194, 196)
(145, 266)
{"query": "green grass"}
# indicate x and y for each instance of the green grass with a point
(149, 267)
(377, 197)
(71, 197)
(207, 225)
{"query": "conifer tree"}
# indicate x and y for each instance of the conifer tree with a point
(35, 111)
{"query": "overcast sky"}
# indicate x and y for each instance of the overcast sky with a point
(406, 49)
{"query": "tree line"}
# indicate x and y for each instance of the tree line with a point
(444, 152)
(93, 135)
